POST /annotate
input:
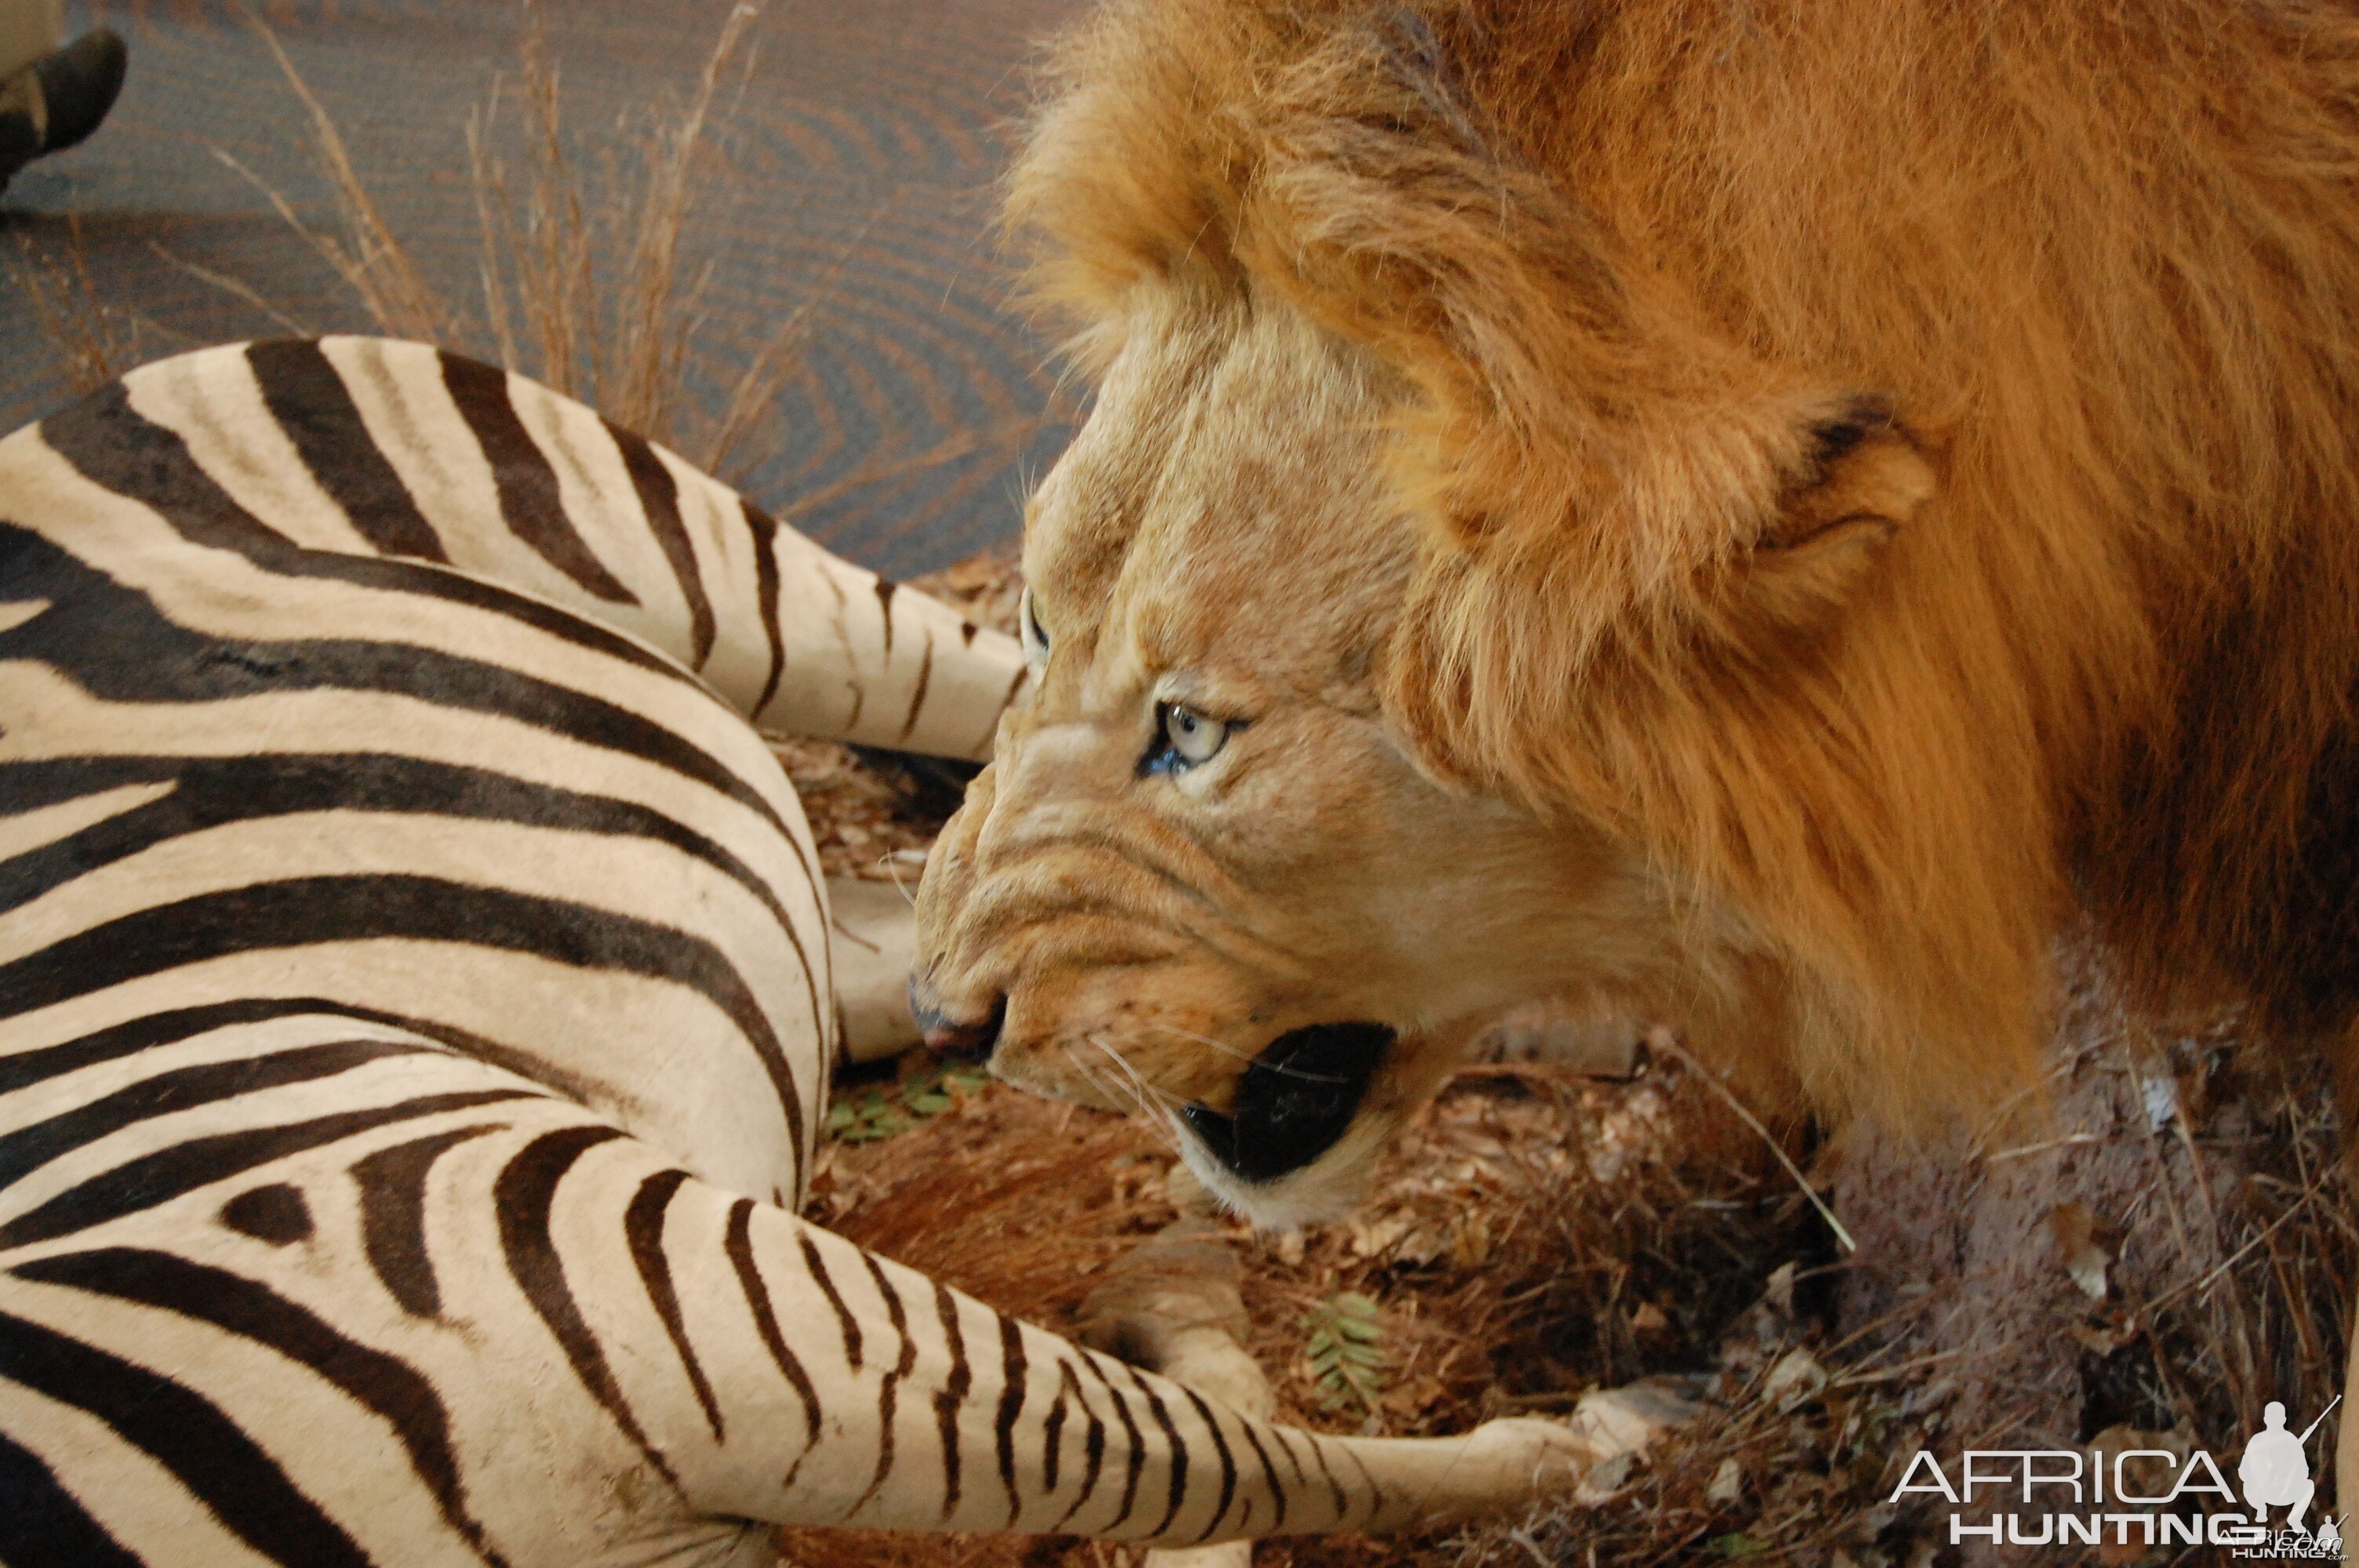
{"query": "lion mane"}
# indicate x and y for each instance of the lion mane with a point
(1895, 463)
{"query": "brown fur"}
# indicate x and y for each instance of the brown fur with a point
(1891, 463)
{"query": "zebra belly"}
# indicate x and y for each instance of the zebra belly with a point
(567, 862)
(252, 1271)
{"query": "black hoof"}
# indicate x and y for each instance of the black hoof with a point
(79, 83)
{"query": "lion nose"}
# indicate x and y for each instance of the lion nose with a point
(945, 1030)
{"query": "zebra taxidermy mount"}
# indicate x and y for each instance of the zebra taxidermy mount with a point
(416, 1016)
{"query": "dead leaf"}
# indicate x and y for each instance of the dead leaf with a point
(2103, 1334)
(1629, 1419)
(1727, 1483)
(1376, 1235)
(1794, 1380)
(1605, 1478)
(1470, 1245)
(2080, 1241)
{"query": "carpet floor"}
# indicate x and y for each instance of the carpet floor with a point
(843, 209)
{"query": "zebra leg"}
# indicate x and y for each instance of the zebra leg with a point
(471, 1322)
(985, 1423)
(367, 447)
(630, 1363)
(872, 933)
(796, 1379)
(1172, 1304)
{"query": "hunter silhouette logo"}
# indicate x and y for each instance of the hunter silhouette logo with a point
(2276, 1471)
(2139, 1496)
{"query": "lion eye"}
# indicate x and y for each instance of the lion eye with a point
(1034, 636)
(1192, 737)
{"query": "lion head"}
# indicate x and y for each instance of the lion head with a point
(1202, 873)
(1708, 507)
(1239, 858)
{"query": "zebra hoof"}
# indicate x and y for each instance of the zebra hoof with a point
(873, 941)
(1228, 1554)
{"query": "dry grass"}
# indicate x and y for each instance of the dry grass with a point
(2217, 1205)
(624, 337)
(584, 281)
(367, 255)
(620, 343)
(621, 335)
(94, 341)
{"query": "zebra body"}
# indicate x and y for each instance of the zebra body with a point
(415, 1018)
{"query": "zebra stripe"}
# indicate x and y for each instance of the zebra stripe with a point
(413, 984)
(530, 503)
(311, 403)
(207, 1452)
(393, 1215)
(643, 1229)
(44, 1523)
(386, 1384)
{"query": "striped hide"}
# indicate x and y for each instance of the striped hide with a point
(415, 1018)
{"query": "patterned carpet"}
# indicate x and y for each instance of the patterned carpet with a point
(848, 200)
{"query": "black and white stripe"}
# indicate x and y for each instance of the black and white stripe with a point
(414, 1005)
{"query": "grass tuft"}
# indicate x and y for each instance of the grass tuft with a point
(583, 278)
(95, 343)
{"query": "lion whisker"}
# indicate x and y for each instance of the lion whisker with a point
(891, 861)
(1248, 1058)
(1141, 1094)
(1149, 1096)
(1116, 1088)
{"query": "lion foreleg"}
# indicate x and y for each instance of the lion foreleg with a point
(1173, 1306)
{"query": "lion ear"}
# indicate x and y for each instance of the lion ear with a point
(1521, 666)
(1867, 480)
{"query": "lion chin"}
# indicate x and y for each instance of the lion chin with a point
(1300, 1129)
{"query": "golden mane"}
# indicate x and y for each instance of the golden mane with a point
(1897, 463)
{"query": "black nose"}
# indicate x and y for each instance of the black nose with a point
(944, 1032)
(1297, 1099)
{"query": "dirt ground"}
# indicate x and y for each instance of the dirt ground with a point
(1529, 1241)
(2140, 1253)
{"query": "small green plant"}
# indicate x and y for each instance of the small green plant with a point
(1346, 1351)
(925, 1088)
(866, 1119)
(1736, 1546)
